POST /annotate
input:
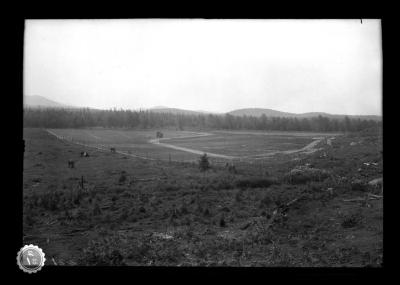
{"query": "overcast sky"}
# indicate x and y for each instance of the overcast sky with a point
(295, 66)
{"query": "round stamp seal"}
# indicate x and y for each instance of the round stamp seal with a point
(30, 258)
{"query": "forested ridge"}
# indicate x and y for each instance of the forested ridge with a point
(81, 118)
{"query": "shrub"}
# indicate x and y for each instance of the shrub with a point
(124, 215)
(170, 187)
(107, 218)
(138, 251)
(238, 195)
(232, 169)
(304, 174)
(222, 222)
(352, 220)
(358, 185)
(266, 201)
(81, 215)
(165, 252)
(51, 200)
(122, 178)
(183, 210)
(223, 183)
(103, 252)
(96, 209)
(119, 189)
(29, 221)
(254, 183)
(204, 163)
(225, 209)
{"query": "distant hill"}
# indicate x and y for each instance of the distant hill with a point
(163, 109)
(258, 112)
(43, 102)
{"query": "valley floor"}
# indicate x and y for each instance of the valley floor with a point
(293, 209)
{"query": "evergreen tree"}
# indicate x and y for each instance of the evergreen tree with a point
(204, 163)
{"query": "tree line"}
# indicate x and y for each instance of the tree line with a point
(81, 118)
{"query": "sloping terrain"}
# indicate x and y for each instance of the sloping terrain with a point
(292, 210)
(40, 101)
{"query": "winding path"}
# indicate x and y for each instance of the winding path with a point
(310, 148)
(195, 151)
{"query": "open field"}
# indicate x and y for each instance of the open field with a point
(138, 211)
(186, 146)
(243, 145)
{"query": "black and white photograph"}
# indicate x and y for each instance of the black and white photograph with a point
(202, 143)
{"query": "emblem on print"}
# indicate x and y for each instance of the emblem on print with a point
(30, 258)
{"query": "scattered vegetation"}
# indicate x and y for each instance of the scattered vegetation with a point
(304, 174)
(254, 183)
(103, 252)
(173, 215)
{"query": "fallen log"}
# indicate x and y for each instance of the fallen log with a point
(49, 223)
(360, 199)
(293, 201)
(150, 179)
(55, 263)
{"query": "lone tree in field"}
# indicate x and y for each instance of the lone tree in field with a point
(204, 163)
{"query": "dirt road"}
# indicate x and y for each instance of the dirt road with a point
(157, 142)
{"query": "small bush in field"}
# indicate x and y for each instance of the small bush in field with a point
(254, 183)
(352, 220)
(122, 178)
(170, 187)
(103, 252)
(266, 201)
(222, 222)
(29, 221)
(223, 183)
(138, 251)
(184, 210)
(238, 196)
(304, 174)
(96, 209)
(119, 189)
(124, 215)
(204, 163)
(52, 200)
(358, 185)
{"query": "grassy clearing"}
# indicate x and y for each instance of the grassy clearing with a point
(243, 145)
(139, 212)
(224, 143)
